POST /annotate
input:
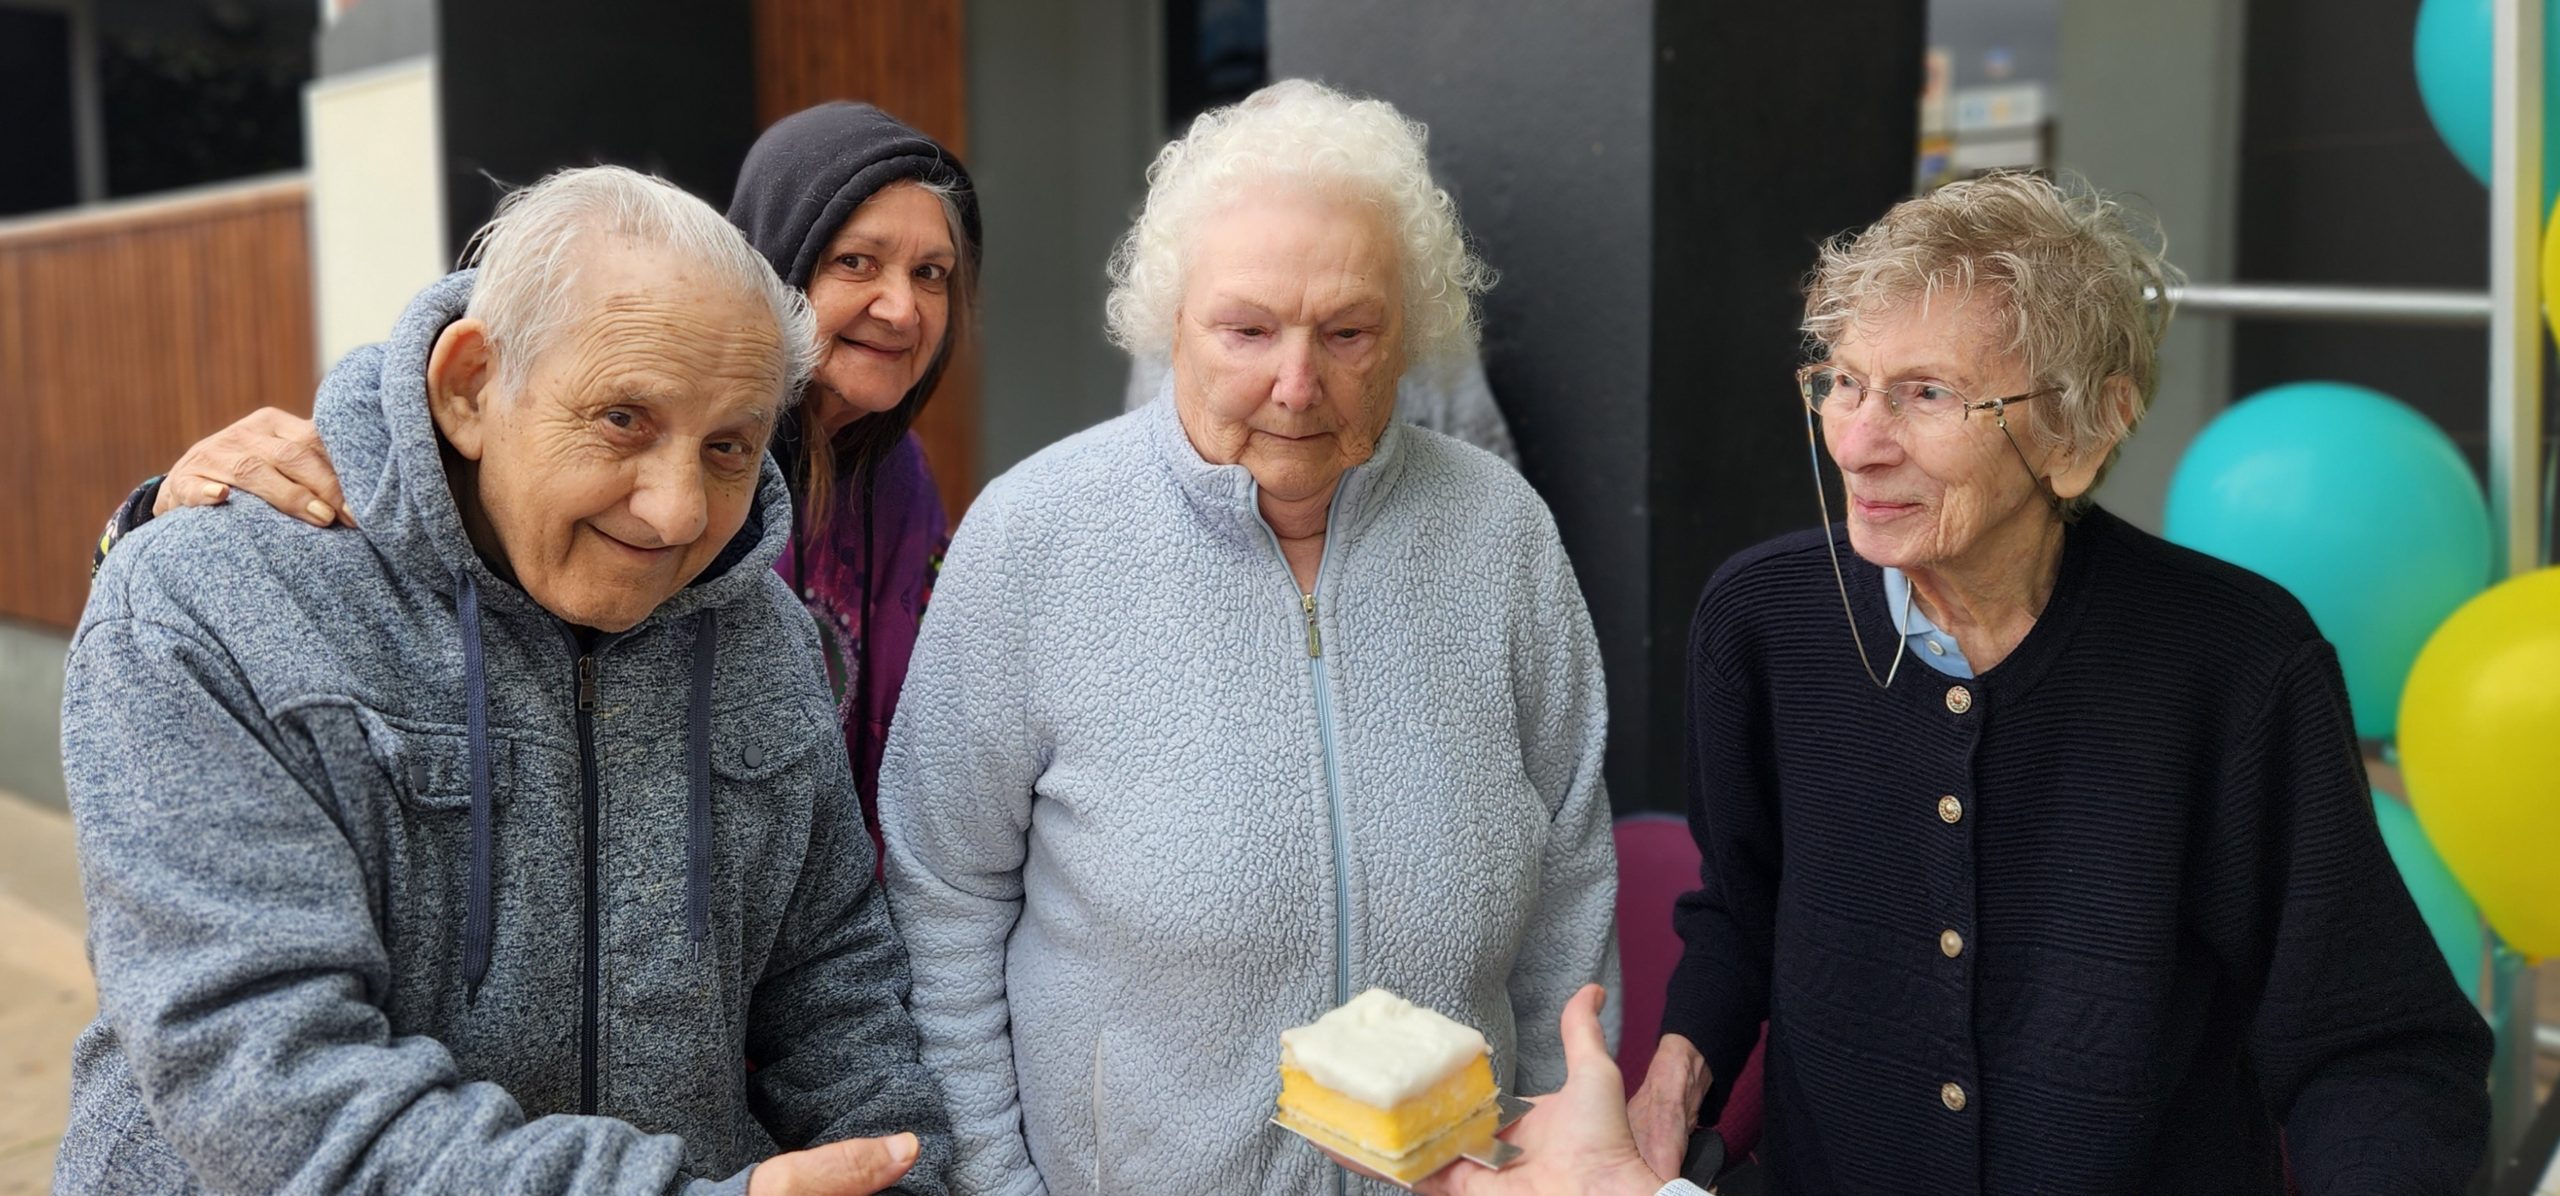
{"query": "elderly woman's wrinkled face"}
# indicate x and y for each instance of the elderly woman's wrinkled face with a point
(1290, 339)
(882, 294)
(1922, 494)
(630, 456)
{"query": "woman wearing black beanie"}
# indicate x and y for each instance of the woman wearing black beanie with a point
(878, 223)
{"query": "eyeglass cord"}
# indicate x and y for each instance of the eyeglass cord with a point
(1813, 457)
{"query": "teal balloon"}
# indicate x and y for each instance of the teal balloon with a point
(2354, 502)
(2448, 911)
(2454, 81)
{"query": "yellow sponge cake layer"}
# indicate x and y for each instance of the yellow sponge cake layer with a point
(1426, 1157)
(1396, 1129)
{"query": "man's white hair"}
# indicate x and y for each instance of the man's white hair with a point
(1299, 131)
(529, 253)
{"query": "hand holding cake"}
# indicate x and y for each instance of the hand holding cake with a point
(1397, 1091)
(1575, 1142)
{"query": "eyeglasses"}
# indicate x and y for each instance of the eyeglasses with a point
(1929, 409)
(1834, 393)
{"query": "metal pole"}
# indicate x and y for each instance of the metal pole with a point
(2347, 304)
(2512, 1019)
(2515, 256)
(2515, 441)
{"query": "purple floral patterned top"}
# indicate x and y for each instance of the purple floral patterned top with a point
(868, 586)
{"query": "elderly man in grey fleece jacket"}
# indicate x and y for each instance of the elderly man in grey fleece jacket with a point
(480, 850)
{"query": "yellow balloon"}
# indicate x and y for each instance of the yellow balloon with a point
(2480, 745)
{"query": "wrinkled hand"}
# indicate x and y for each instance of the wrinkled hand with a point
(1576, 1141)
(854, 1167)
(1664, 1111)
(273, 454)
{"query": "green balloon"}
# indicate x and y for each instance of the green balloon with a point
(2448, 911)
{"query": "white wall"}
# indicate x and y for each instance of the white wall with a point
(377, 199)
(2150, 102)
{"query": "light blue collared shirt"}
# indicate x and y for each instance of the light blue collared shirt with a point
(1935, 648)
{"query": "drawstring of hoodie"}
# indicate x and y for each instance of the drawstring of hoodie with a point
(477, 918)
(479, 914)
(697, 752)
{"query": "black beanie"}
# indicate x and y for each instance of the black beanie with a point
(807, 174)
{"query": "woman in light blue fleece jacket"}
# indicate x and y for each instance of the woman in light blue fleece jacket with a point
(1248, 700)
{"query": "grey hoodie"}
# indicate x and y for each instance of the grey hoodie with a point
(335, 793)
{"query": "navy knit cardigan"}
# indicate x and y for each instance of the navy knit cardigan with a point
(2110, 917)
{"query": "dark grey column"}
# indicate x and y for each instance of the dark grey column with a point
(1650, 179)
(665, 86)
(39, 141)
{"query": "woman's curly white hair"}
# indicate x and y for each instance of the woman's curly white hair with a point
(1300, 131)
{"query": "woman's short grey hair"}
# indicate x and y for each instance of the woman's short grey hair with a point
(528, 255)
(2063, 269)
(1300, 131)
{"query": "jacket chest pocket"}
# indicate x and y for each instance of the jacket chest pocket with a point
(423, 852)
(428, 767)
(769, 764)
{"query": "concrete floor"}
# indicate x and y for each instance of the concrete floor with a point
(46, 996)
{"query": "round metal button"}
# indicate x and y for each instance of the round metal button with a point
(751, 756)
(1950, 943)
(1959, 699)
(417, 775)
(1952, 1094)
(1950, 810)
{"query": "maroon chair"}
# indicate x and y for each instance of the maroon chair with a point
(1657, 862)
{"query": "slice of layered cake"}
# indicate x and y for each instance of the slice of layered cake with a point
(1390, 1085)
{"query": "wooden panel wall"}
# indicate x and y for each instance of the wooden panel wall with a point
(125, 336)
(910, 58)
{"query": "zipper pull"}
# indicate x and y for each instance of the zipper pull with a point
(586, 683)
(1315, 646)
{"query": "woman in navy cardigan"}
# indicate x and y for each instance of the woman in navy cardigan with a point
(2055, 869)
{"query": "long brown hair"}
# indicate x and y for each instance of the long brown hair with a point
(860, 446)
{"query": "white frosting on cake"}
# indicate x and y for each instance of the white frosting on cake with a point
(1381, 1049)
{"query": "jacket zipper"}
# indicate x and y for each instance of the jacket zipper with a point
(1333, 798)
(589, 819)
(1332, 781)
(1332, 762)
(1332, 770)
